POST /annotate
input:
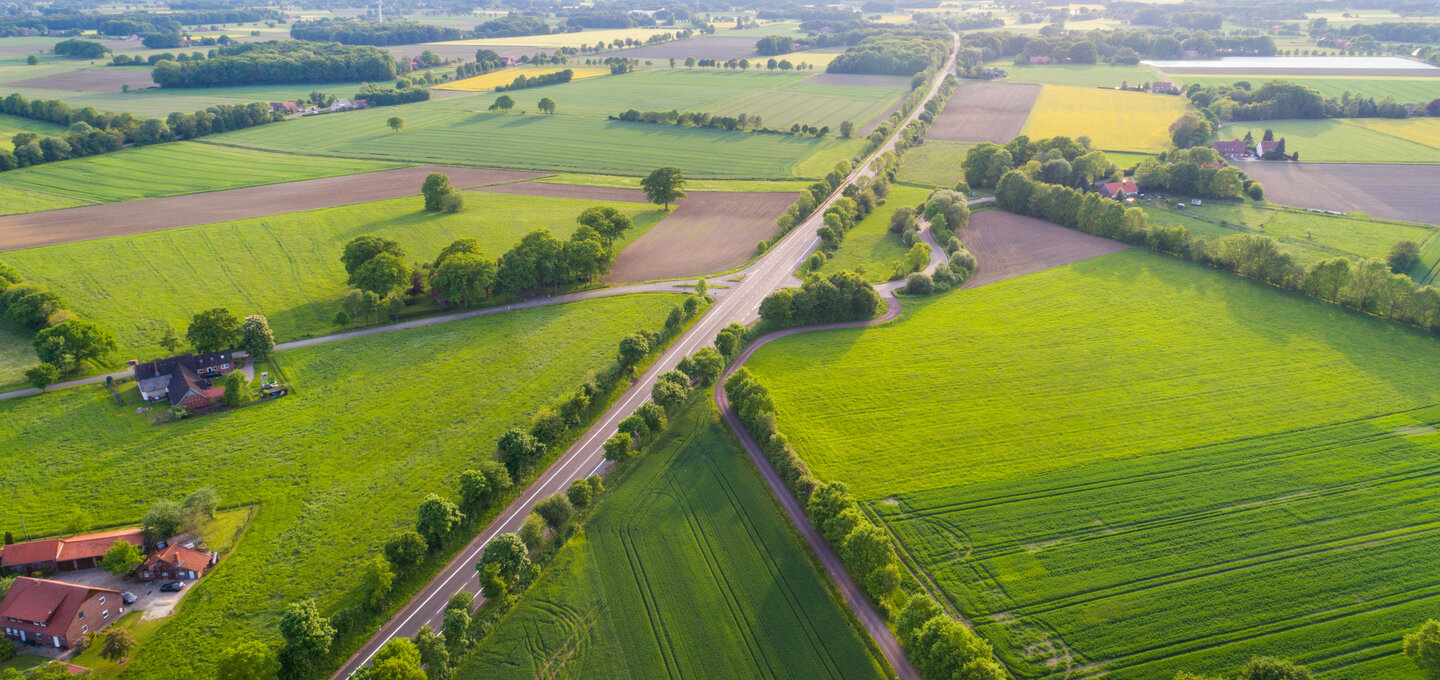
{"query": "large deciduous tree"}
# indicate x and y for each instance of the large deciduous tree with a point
(664, 186)
(213, 330)
(256, 338)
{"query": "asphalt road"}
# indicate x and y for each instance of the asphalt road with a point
(741, 302)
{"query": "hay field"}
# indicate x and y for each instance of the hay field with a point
(687, 562)
(336, 467)
(936, 163)
(1114, 120)
(869, 248)
(1135, 465)
(488, 81)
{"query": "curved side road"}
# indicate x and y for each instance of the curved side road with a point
(740, 303)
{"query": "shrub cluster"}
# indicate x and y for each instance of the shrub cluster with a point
(741, 121)
(374, 95)
(842, 296)
(1196, 172)
(1057, 160)
(81, 49)
(941, 647)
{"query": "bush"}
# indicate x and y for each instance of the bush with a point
(919, 284)
(555, 510)
(532, 532)
(580, 494)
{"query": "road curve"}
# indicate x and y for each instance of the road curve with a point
(739, 303)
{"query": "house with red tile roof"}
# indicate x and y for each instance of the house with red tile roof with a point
(1231, 149)
(57, 614)
(1119, 190)
(56, 555)
(174, 562)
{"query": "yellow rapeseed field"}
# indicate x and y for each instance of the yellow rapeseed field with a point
(1114, 120)
(1419, 130)
(489, 81)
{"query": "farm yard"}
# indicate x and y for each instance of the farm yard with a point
(982, 111)
(332, 469)
(1114, 120)
(1142, 488)
(184, 167)
(688, 561)
(1352, 140)
(286, 267)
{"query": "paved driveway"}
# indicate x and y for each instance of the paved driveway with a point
(152, 602)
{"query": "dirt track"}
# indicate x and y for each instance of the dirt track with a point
(1007, 245)
(1394, 192)
(983, 111)
(152, 214)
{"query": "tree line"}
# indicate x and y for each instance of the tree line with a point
(127, 23)
(81, 49)
(137, 60)
(737, 122)
(1370, 286)
(1058, 160)
(278, 61)
(94, 132)
(375, 95)
(1198, 171)
(1286, 99)
(894, 53)
(522, 82)
(356, 32)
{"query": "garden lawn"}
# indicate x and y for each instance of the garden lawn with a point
(1114, 120)
(173, 169)
(286, 267)
(375, 424)
(936, 163)
(1405, 90)
(489, 81)
(1356, 140)
(689, 560)
(1138, 465)
(538, 142)
(869, 248)
(1079, 75)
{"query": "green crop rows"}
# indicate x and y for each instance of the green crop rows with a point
(689, 562)
(1137, 465)
(376, 424)
(286, 267)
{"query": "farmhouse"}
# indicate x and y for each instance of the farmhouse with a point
(54, 613)
(183, 379)
(64, 554)
(1163, 87)
(175, 562)
(1231, 149)
(1119, 190)
(1266, 148)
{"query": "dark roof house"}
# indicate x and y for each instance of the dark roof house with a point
(183, 379)
(1267, 147)
(1231, 149)
(54, 613)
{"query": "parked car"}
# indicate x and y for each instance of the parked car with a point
(172, 587)
(128, 598)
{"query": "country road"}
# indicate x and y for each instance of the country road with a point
(741, 302)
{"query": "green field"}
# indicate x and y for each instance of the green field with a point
(816, 104)
(9, 125)
(169, 170)
(870, 248)
(936, 163)
(335, 468)
(535, 142)
(1081, 75)
(1138, 465)
(624, 182)
(1310, 236)
(1343, 141)
(1406, 90)
(286, 267)
(688, 562)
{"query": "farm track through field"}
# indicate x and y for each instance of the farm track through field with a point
(28, 230)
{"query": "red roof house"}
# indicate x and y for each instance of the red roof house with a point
(1119, 190)
(174, 562)
(1041, 59)
(65, 554)
(1231, 149)
(1267, 147)
(53, 613)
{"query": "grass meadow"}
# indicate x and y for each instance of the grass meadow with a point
(1409, 90)
(687, 562)
(1114, 120)
(588, 37)
(164, 170)
(633, 182)
(870, 248)
(376, 423)
(9, 125)
(936, 163)
(1137, 465)
(1353, 140)
(1078, 75)
(286, 267)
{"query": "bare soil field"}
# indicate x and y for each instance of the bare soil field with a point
(153, 214)
(1393, 192)
(99, 79)
(466, 52)
(982, 111)
(700, 47)
(858, 79)
(1007, 245)
(708, 231)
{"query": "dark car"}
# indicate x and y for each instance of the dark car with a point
(128, 598)
(172, 587)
